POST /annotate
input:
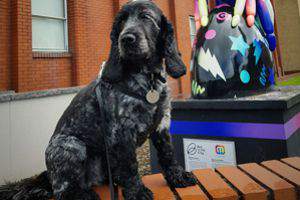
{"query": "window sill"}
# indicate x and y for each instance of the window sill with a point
(41, 54)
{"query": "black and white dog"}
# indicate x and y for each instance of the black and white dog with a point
(76, 160)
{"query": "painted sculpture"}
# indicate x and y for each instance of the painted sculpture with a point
(260, 11)
(229, 58)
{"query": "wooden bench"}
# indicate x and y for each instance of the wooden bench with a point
(278, 180)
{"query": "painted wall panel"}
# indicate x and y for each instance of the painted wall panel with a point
(4, 142)
(24, 137)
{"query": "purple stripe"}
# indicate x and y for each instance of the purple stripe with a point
(222, 5)
(241, 130)
(292, 126)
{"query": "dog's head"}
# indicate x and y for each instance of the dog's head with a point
(141, 34)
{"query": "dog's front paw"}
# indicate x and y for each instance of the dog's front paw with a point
(142, 194)
(178, 178)
(77, 194)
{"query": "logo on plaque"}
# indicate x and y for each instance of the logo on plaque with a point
(220, 150)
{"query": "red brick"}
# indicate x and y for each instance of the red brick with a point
(5, 47)
(89, 26)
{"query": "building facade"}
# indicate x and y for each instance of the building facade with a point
(61, 43)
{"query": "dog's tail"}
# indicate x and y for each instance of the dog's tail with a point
(36, 188)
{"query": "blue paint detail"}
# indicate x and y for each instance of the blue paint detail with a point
(272, 42)
(245, 76)
(272, 76)
(265, 17)
(257, 51)
(239, 44)
(263, 76)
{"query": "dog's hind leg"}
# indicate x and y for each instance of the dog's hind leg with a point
(66, 158)
(174, 173)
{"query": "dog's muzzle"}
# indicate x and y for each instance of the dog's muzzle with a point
(133, 43)
(128, 39)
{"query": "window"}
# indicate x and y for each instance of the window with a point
(193, 31)
(49, 25)
(299, 6)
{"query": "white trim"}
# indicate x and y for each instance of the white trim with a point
(66, 26)
(193, 33)
(50, 50)
(299, 7)
(192, 18)
(49, 17)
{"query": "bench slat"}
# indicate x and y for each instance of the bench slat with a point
(104, 192)
(214, 185)
(248, 187)
(280, 188)
(294, 162)
(158, 185)
(191, 193)
(283, 170)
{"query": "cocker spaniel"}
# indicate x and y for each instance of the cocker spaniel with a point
(137, 107)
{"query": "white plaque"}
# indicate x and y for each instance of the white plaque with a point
(201, 154)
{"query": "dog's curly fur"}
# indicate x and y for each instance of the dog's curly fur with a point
(75, 156)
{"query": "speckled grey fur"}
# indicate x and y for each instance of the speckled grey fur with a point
(75, 156)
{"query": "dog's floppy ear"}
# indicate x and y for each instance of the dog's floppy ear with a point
(174, 65)
(113, 69)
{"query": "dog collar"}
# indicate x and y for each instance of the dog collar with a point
(150, 97)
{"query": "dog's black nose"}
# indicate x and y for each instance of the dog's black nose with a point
(128, 38)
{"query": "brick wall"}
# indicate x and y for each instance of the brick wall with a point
(89, 25)
(21, 65)
(5, 45)
(288, 20)
(51, 73)
(183, 9)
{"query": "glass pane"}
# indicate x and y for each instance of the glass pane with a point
(52, 8)
(48, 34)
(192, 40)
(192, 26)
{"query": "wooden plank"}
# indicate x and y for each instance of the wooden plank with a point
(214, 185)
(191, 193)
(104, 193)
(284, 171)
(243, 183)
(158, 185)
(294, 162)
(281, 189)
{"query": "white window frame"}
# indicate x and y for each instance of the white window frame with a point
(65, 20)
(193, 33)
(299, 7)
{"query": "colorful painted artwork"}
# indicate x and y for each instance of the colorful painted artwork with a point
(239, 44)
(259, 12)
(230, 61)
(263, 76)
(245, 76)
(197, 89)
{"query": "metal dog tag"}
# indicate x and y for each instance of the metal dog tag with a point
(152, 96)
